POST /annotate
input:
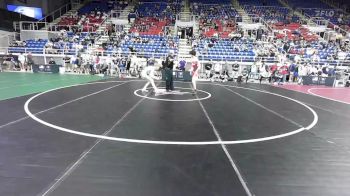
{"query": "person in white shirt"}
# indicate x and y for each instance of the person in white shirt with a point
(22, 60)
(253, 71)
(302, 71)
(109, 63)
(315, 58)
(313, 70)
(148, 74)
(217, 68)
(342, 55)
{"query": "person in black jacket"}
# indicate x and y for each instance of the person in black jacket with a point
(169, 65)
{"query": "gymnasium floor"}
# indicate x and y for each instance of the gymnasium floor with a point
(108, 138)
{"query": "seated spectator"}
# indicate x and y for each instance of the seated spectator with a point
(52, 61)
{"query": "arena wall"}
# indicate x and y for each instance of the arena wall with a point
(47, 5)
(29, 34)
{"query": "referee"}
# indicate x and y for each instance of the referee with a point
(169, 65)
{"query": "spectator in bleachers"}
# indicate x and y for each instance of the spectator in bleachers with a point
(52, 61)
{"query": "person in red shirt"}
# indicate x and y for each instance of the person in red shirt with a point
(283, 70)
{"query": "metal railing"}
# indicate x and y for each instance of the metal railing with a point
(249, 6)
(39, 51)
(267, 25)
(39, 26)
(72, 28)
(26, 25)
(338, 29)
(241, 59)
(338, 62)
(321, 21)
(57, 13)
(76, 51)
(9, 39)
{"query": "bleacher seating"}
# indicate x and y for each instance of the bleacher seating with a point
(149, 25)
(224, 50)
(87, 23)
(102, 6)
(214, 11)
(38, 46)
(275, 3)
(294, 31)
(158, 45)
(159, 9)
(224, 28)
(33, 46)
(308, 4)
(211, 1)
(216, 18)
(272, 13)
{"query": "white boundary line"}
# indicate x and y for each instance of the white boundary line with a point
(82, 156)
(223, 146)
(174, 100)
(310, 93)
(339, 101)
(14, 122)
(309, 104)
(54, 107)
(265, 108)
(313, 123)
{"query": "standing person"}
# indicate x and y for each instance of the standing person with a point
(78, 64)
(263, 72)
(67, 64)
(283, 71)
(252, 72)
(302, 71)
(96, 61)
(30, 61)
(169, 65)
(273, 71)
(259, 33)
(127, 63)
(22, 60)
(194, 70)
(208, 66)
(292, 70)
(148, 74)
(73, 62)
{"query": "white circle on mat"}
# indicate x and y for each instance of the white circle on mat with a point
(193, 143)
(208, 95)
